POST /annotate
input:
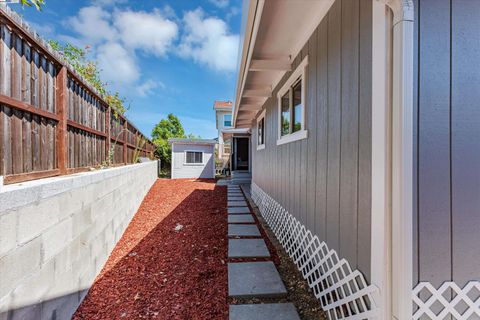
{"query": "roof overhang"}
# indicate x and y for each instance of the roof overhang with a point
(228, 133)
(273, 33)
(192, 141)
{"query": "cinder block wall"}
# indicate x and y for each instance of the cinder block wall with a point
(56, 234)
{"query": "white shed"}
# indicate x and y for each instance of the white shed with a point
(193, 158)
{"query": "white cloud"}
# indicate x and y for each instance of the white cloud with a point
(207, 40)
(107, 2)
(219, 3)
(148, 87)
(150, 32)
(93, 24)
(117, 64)
(116, 37)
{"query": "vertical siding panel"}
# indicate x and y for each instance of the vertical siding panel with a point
(365, 139)
(311, 117)
(434, 154)
(349, 133)
(322, 131)
(334, 115)
(466, 140)
(415, 278)
(303, 154)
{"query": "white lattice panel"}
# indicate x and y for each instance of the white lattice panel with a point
(343, 292)
(447, 301)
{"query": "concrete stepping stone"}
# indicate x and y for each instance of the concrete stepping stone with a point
(247, 248)
(238, 210)
(243, 230)
(236, 198)
(236, 203)
(241, 218)
(268, 311)
(254, 279)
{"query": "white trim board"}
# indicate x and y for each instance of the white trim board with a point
(381, 160)
(259, 118)
(299, 73)
(343, 292)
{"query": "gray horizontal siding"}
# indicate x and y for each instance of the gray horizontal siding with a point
(325, 180)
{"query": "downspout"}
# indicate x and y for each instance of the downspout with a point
(402, 158)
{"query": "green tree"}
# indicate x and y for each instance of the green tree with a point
(164, 130)
(33, 3)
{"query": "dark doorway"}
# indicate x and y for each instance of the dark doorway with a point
(241, 154)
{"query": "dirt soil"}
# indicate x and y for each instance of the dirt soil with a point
(299, 293)
(171, 261)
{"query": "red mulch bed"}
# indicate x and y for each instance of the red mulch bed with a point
(155, 272)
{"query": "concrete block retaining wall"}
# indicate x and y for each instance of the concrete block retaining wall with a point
(56, 234)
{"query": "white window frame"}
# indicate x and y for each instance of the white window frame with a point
(299, 73)
(260, 117)
(185, 163)
(231, 119)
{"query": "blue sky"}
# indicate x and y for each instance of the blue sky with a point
(175, 56)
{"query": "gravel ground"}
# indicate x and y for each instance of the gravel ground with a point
(171, 261)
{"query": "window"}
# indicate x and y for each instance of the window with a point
(291, 104)
(193, 157)
(227, 120)
(261, 131)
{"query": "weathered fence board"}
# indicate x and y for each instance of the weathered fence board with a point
(51, 121)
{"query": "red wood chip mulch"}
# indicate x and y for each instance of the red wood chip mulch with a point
(171, 261)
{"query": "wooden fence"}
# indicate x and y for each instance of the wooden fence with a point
(52, 122)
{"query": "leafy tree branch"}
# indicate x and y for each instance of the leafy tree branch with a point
(33, 3)
(89, 70)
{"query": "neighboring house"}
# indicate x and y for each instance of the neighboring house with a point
(223, 120)
(365, 125)
(193, 158)
(233, 144)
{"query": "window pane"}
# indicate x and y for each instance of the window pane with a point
(285, 129)
(198, 157)
(190, 157)
(194, 157)
(227, 120)
(297, 107)
(263, 130)
(261, 124)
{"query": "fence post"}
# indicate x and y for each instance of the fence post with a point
(107, 131)
(61, 106)
(125, 129)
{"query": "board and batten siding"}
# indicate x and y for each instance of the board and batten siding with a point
(325, 180)
(182, 170)
(447, 141)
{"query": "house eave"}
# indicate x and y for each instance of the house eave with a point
(274, 35)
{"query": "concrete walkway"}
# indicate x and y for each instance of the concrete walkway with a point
(252, 279)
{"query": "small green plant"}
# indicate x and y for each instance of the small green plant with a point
(89, 70)
(138, 148)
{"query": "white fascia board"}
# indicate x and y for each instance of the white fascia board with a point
(254, 13)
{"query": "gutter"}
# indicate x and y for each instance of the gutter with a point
(402, 158)
(254, 14)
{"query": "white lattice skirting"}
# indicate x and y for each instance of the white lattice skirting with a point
(343, 293)
(447, 301)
